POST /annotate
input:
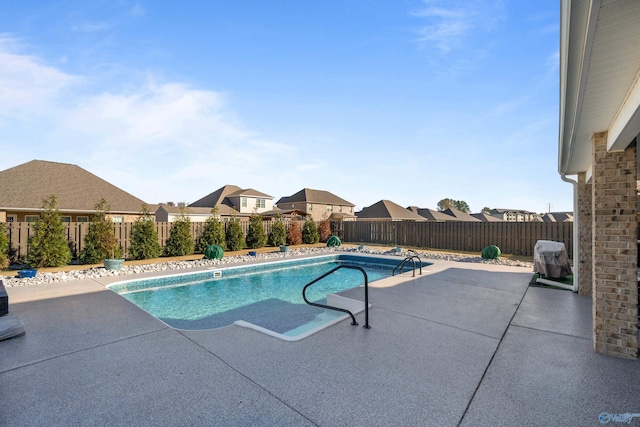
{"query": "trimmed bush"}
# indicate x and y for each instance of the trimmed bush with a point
(212, 233)
(310, 233)
(294, 236)
(100, 243)
(491, 252)
(48, 245)
(4, 248)
(144, 237)
(234, 235)
(324, 229)
(213, 252)
(333, 241)
(256, 237)
(278, 233)
(180, 241)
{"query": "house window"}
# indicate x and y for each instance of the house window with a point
(261, 203)
(243, 202)
(65, 218)
(351, 210)
(340, 207)
(329, 208)
(82, 219)
(31, 218)
(11, 218)
(310, 207)
(117, 219)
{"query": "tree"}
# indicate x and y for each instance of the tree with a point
(212, 232)
(256, 237)
(294, 236)
(180, 241)
(4, 248)
(310, 233)
(100, 243)
(486, 209)
(48, 245)
(460, 205)
(144, 237)
(278, 233)
(234, 235)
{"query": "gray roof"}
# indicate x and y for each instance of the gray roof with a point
(558, 217)
(216, 198)
(434, 215)
(386, 209)
(25, 186)
(249, 192)
(485, 217)
(458, 214)
(315, 196)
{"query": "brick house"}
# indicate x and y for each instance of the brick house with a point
(319, 204)
(232, 200)
(24, 187)
(599, 127)
(386, 210)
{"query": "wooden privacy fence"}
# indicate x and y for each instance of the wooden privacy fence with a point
(19, 233)
(517, 238)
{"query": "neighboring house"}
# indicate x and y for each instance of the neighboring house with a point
(386, 210)
(459, 215)
(77, 191)
(232, 200)
(485, 217)
(318, 204)
(168, 213)
(431, 214)
(558, 217)
(514, 215)
(598, 139)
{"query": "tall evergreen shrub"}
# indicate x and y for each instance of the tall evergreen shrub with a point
(294, 237)
(324, 230)
(48, 245)
(278, 233)
(234, 235)
(256, 237)
(4, 248)
(310, 233)
(180, 241)
(144, 237)
(212, 233)
(100, 243)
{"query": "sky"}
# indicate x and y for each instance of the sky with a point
(407, 100)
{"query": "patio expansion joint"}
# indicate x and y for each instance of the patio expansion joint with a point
(35, 362)
(482, 287)
(550, 332)
(247, 378)
(484, 374)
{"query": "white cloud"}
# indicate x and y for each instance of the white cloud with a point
(449, 24)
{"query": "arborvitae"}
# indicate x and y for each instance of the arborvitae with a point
(234, 235)
(144, 237)
(256, 237)
(180, 241)
(310, 232)
(48, 245)
(212, 232)
(324, 230)
(4, 248)
(294, 237)
(278, 233)
(100, 243)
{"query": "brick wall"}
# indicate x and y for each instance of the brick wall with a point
(583, 212)
(615, 250)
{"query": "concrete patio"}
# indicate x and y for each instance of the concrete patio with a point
(464, 344)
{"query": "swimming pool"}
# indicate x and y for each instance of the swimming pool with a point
(266, 297)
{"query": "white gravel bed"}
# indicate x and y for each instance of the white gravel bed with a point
(96, 272)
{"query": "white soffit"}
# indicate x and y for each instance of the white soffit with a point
(608, 96)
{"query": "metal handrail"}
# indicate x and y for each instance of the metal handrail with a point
(405, 262)
(366, 295)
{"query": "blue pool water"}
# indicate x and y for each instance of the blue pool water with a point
(267, 295)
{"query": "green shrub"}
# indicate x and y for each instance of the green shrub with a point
(4, 248)
(310, 233)
(294, 236)
(234, 235)
(144, 237)
(324, 230)
(256, 237)
(491, 252)
(212, 233)
(100, 243)
(333, 241)
(213, 252)
(180, 241)
(48, 245)
(278, 233)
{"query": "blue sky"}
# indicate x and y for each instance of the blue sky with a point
(411, 101)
